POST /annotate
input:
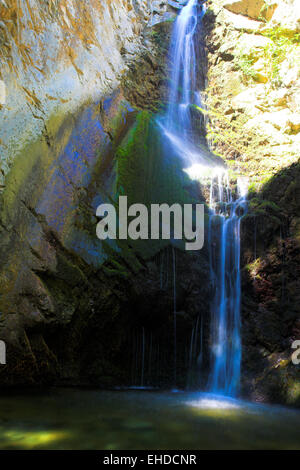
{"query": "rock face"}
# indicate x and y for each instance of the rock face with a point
(252, 95)
(52, 62)
(271, 288)
(287, 16)
(256, 9)
(79, 130)
(254, 81)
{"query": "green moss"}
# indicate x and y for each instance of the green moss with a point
(147, 175)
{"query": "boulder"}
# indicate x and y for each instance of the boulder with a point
(278, 97)
(294, 123)
(253, 45)
(287, 16)
(248, 100)
(2, 92)
(158, 7)
(157, 18)
(242, 23)
(289, 73)
(256, 9)
(177, 5)
(261, 73)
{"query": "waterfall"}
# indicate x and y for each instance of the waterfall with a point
(174, 314)
(179, 124)
(183, 134)
(183, 74)
(224, 248)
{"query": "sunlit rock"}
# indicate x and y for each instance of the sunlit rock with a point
(58, 62)
(248, 100)
(287, 16)
(294, 123)
(2, 92)
(278, 97)
(253, 8)
(242, 23)
(261, 72)
(252, 45)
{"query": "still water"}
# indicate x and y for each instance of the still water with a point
(140, 419)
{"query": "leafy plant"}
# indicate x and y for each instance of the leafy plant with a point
(245, 63)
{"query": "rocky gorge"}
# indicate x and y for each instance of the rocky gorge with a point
(81, 84)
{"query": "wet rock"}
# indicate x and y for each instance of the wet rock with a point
(177, 4)
(75, 61)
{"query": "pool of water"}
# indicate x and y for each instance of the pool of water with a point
(143, 419)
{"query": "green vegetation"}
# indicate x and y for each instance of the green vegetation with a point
(282, 45)
(224, 130)
(245, 64)
(275, 53)
(145, 174)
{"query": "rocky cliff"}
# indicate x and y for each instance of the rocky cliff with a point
(57, 55)
(253, 103)
(79, 89)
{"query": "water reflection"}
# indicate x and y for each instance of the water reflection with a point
(142, 419)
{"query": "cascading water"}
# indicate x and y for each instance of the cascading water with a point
(224, 247)
(183, 134)
(183, 74)
(179, 124)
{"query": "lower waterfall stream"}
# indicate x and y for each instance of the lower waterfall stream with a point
(224, 248)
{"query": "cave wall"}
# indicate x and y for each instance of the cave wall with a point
(81, 132)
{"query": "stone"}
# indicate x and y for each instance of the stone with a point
(261, 73)
(158, 7)
(2, 92)
(56, 75)
(270, 126)
(175, 4)
(278, 97)
(278, 119)
(253, 45)
(255, 9)
(158, 19)
(247, 101)
(287, 16)
(233, 85)
(294, 123)
(226, 51)
(242, 23)
(289, 73)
